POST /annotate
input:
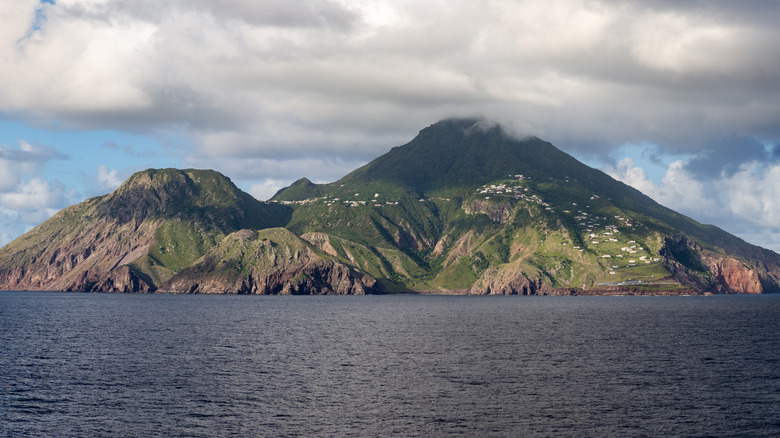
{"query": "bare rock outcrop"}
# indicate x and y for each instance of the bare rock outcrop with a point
(705, 270)
(508, 281)
(322, 241)
(735, 276)
(120, 280)
(500, 213)
(463, 246)
(82, 259)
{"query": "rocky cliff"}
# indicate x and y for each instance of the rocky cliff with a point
(735, 277)
(496, 281)
(64, 254)
(500, 212)
(709, 271)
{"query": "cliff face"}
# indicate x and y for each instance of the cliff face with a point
(735, 277)
(695, 266)
(271, 261)
(508, 281)
(499, 213)
(123, 279)
(74, 257)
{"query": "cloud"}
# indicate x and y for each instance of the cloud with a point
(18, 19)
(5, 238)
(266, 189)
(26, 153)
(130, 151)
(26, 197)
(24, 159)
(281, 13)
(8, 178)
(678, 189)
(108, 179)
(727, 156)
(584, 74)
(36, 194)
(276, 13)
(754, 193)
(746, 202)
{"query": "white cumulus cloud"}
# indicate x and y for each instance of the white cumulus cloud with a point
(108, 179)
(266, 189)
(578, 72)
(746, 203)
(36, 194)
(677, 190)
(753, 193)
(8, 178)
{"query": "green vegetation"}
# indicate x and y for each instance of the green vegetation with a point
(531, 204)
(461, 274)
(301, 189)
(462, 203)
(687, 257)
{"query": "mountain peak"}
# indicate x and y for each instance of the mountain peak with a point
(170, 192)
(171, 181)
(460, 154)
(204, 196)
(152, 226)
(300, 189)
(466, 125)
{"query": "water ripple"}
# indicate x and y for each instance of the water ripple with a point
(166, 365)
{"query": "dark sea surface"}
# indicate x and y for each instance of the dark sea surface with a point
(174, 365)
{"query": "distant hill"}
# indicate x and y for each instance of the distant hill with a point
(462, 208)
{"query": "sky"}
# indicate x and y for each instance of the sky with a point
(680, 99)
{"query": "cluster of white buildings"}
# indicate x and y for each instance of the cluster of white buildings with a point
(514, 191)
(330, 201)
(590, 223)
(625, 221)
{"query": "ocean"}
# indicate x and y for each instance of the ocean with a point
(75, 364)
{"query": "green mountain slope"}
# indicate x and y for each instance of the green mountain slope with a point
(270, 261)
(157, 223)
(467, 202)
